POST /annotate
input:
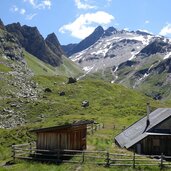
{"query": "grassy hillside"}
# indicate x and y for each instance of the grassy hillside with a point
(22, 97)
(68, 68)
(109, 103)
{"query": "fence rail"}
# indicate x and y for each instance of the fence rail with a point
(29, 152)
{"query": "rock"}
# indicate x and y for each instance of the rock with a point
(85, 43)
(62, 93)
(48, 90)
(85, 103)
(71, 80)
(47, 50)
(13, 105)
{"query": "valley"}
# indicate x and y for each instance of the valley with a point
(31, 84)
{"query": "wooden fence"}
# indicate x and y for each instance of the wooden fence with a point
(29, 152)
(91, 128)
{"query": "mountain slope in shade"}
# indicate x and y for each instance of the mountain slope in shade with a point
(53, 43)
(69, 48)
(150, 71)
(34, 43)
(87, 42)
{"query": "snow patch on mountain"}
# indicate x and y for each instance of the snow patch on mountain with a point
(133, 55)
(167, 56)
(112, 50)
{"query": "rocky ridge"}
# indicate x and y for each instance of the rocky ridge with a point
(17, 86)
(136, 59)
(31, 39)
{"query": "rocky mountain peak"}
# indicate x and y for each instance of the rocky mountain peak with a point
(87, 42)
(99, 29)
(110, 31)
(2, 25)
(53, 43)
(143, 33)
(53, 39)
(31, 39)
(156, 46)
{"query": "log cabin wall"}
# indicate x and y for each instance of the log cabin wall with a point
(73, 138)
(154, 145)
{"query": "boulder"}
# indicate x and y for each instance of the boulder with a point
(62, 93)
(85, 103)
(71, 80)
(48, 90)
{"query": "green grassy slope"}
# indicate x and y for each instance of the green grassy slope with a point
(68, 68)
(109, 103)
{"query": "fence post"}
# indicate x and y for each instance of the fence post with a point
(161, 162)
(95, 127)
(133, 164)
(30, 144)
(83, 157)
(13, 152)
(107, 159)
(113, 126)
(92, 129)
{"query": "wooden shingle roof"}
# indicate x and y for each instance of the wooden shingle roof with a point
(48, 129)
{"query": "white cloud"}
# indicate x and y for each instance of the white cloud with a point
(14, 8)
(86, 23)
(166, 30)
(40, 4)
(22, 11)
(147, 21)
(126, 29)
(84, 5)
(30, 16)
(109, 1)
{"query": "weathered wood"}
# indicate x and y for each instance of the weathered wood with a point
(83, 157)
(20, 152)
(13, 153)
(161, 162)
(107, 160)
(133, 164)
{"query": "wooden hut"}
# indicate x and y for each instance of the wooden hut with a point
(70, 136)
(151, 135)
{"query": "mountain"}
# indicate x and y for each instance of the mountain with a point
(68, 48)
(149, 71)
(87, 42)
(53, 43)
(19, 73)
(9, 45)
(113, 48)
(2, 25)
(136, 59)
(31, 39)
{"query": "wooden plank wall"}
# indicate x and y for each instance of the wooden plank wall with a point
(70, 138)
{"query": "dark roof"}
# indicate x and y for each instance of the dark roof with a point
(139, 129)
(48, 129)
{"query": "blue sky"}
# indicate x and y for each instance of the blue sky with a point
(73, 20)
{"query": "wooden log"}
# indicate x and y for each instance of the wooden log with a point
(161, 162)
(13, 152)
(83, 157)
(107, 160)
(133, 164)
